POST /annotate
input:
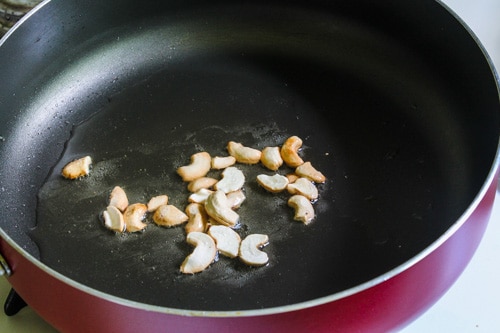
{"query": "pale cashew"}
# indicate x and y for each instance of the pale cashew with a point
(217, 207)
(156, 202)
(305, 187)
(219, 163)
(235, 199)
(250, 252)
(275, 183)
(169, 216)
(232, 180)
(118, 198)
(198, 218)
(203, 254)
(113, 219)
(226, 239)
(202, 182)
(200, 196)
(289, 151)
(77, 168)
(271, 158)
(243, 154)
(304, 210)
(308, 171)
(133, 216)
(199, 167)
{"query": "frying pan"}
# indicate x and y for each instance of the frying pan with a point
(397, 104)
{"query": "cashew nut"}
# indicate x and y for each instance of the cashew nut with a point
(118, 198)
(199, 167)
(226, 239)
(243, 154)
(233, 179)
(235, 199)
(198, 218)
(289, 151)
(202, 182)
(133, 216)
(113, 219)
(77, 168)
(203, 254)
(217, 207)
(200, 196)
(275, 183)
(219, 163)
(156, 202)
(169, 216)
(304, 210)
(291, 177)
(305, 187)
(271, 158)
(250, 252)
(308, 171)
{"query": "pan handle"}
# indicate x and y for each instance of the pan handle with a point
(4, 267)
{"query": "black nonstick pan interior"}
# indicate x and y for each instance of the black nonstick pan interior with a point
(399, 126)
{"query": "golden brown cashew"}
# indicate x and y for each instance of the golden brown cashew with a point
(250, 252)
(133, 216)
(77, 168)
(219, 163)
(243, 154)
(305, 187)
(308, 171)
(199, 167)
(156, 202)
(304, 210)
(198, 218)
(290, 151)
(271, 158)
(169, 216)
(203, 254)
(202, 182)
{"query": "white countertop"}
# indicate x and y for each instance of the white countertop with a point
(473, 303)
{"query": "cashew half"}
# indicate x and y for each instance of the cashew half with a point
(308, 171)
(219, 163)
(271, 158)
(232, 180)
(305, 187)
(217, 207)
(203, 254)
(156, 202)
(304, 210)
(226, 240)
(133, 216)
(202, 182)
(289, 151)
(275, 183)
(200, 196)
(118, 198)
(77, 168)
(113, 219)
(235, 199)
(169, 216)
(243, 154)
(199, 167)
(198, 218)
(250, 252)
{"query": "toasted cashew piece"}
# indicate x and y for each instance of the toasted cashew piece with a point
(199, 167)
(77, 168)
(305, 187)
(169, 216)
(291, 177)
(200, 196)
(275, 183)
(304, 210)
(235, 199)
(217, 207)
(271, 158)
(308, 171)
(243, 154)
(113, 219)
(250, 252)
(232, 180)
(219, 163)
(156, 202)
(202, 182)
(289, 151)
(203, 254)
(118, 198)
(133, 216)
(198, 218)
(226, 239)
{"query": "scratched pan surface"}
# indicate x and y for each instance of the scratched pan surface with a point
(385, 113)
